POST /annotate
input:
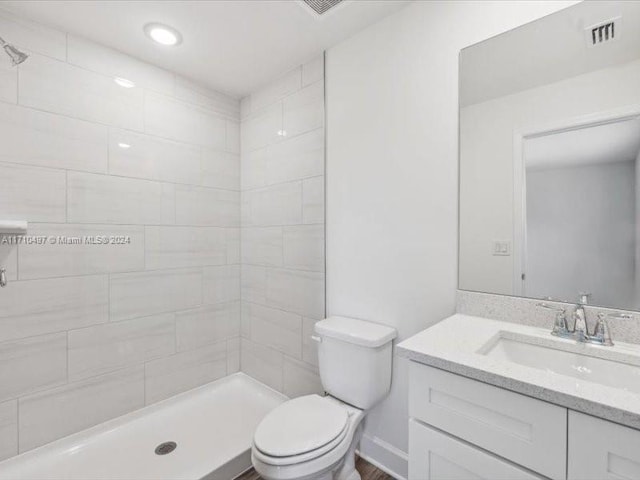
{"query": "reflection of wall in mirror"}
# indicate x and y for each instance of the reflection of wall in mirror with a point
(486, 155)
(580, 232)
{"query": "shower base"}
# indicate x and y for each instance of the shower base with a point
(203, 434)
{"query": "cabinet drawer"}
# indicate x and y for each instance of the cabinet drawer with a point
(529, 432)
(601, 450)
(434, 455)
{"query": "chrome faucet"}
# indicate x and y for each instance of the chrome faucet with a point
(580, 327)
(580, 331)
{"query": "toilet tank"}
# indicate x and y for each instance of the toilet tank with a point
(355, 359)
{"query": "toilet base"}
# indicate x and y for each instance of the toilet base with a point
(347, 470)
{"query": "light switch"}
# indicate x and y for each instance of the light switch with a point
(502, 248)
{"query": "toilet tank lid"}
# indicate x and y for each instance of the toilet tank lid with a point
(358, 332)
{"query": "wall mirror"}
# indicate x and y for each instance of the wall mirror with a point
(549, 158)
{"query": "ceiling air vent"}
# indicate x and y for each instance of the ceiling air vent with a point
(321, 6)
(603, 32)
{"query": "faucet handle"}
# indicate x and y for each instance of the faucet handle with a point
(560, 323)
(602, 332)
(614, 315)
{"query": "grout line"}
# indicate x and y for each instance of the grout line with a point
(10, 164)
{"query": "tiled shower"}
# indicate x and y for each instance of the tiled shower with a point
(213, 215)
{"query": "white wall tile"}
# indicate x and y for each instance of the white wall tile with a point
(8, 429)
(103, 348)
(8, 83)
(207, 206)
(262, 128)
(193, 93)
(146, 293)
(276, 205)
(296, 158)
(100, 59)
(36, 307)
(54, 86)
(183, 371)
(253, 281)
(262, 246)
(253, 168)
(309, 346)
(38, 138)
(32, 364)
(184, 122)
(153, 158)
(303, 247)
(262, 363)
(233, 245)
(55, 413)
(59, 259)
(304, 110)
(245, 320)
(296, 291)
(31, 193)
(207, 325)
(275, 328)
(233, 137)
(221, 284)
(176, 247)
(300, 379)
(32, 36)
(233, 355)
(313, 71)
(313, 200)
(279, 88)
(106, 199)
(220, 169)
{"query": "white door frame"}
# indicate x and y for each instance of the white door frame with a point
(519, 176)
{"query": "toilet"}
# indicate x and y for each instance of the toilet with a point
(315, 437)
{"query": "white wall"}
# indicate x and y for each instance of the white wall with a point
(91, 332)
(581, 233)
(392, 109)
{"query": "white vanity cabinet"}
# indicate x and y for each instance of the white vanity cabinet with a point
(464, 429)
(612, 453)
(436, 455)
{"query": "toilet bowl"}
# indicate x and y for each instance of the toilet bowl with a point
(315, 437)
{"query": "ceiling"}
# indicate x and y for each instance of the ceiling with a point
(233, 46)
(548, 50)
(606, 143)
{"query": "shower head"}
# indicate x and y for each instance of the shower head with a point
(17, 57)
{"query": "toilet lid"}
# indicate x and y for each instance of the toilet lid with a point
(300, 426)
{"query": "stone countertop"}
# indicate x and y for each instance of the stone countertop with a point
(457, 344)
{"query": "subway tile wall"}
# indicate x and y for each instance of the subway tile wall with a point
(282, 229)
(90, 332)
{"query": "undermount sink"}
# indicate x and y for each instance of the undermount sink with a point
(603, 365)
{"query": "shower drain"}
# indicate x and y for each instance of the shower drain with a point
(166, 448)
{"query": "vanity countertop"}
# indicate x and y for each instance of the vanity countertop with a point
(457, 344)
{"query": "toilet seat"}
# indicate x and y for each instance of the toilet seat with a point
(300, 430)
(312, 464)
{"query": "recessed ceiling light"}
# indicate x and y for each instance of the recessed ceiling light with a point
(123, 82)
(162, 34)
(124, 145)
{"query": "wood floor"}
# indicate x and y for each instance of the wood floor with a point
(367, 472)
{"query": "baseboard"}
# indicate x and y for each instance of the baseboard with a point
(385, 456)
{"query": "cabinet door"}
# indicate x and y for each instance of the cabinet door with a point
(524, 430)
(601, 450)
(434, 455)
